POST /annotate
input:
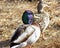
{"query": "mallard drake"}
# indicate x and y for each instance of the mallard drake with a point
(26, 34)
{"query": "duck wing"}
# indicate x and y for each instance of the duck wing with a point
(24, 36)
(18, 32)
(21, 38)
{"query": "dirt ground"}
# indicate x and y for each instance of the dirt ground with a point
(10, 19)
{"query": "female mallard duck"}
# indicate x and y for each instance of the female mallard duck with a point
(43, 19)
(26, 34)
(43, 16)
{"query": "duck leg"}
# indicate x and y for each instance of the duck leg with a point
(43, 36)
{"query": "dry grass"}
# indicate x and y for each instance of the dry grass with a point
(10, 19)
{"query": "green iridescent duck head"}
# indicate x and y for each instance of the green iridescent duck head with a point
(28, 17)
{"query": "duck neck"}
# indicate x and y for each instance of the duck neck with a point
(36, 24)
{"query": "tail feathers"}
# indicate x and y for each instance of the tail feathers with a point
(15, 45)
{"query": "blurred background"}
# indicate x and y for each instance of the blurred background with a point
(10, 18)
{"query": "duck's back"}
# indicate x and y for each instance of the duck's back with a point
(18, 32)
